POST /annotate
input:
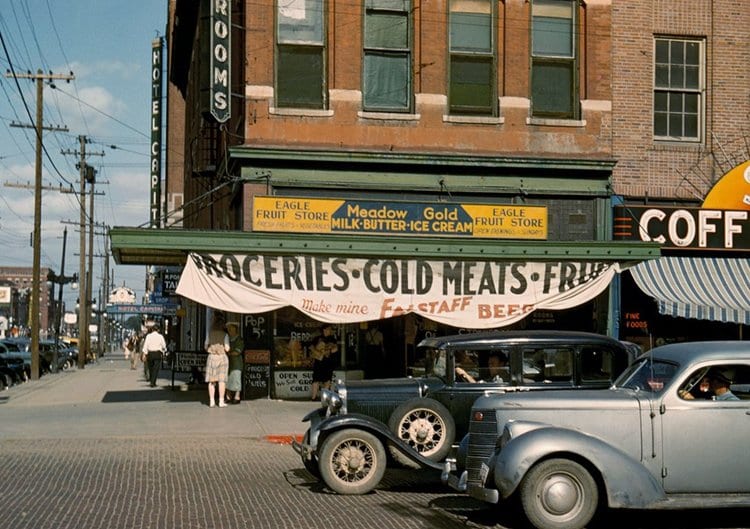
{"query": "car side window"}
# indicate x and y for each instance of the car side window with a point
(596, 364)
(548, 365)
(730, 382)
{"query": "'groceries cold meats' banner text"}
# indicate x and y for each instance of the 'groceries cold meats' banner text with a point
(471, 294)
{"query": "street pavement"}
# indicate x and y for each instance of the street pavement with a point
(108, 399)
(98, 448)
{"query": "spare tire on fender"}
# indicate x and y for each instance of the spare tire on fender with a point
(426, 426)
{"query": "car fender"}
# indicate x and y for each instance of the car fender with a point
(628, 484)
(375, 427)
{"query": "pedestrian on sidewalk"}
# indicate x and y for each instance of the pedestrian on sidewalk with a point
(153, 348)
(217, 363)
(236, 348)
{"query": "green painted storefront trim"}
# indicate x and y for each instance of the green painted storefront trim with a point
(145, 246)
(436, 173)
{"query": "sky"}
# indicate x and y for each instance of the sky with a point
(106, 44)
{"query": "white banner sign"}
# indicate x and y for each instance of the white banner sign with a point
(470, 294)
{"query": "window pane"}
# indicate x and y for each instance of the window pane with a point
(677, 76)
(677, 51)
(662, 76)
(471, 85)
(675, 102)
(691, 103)
(692, 53)
(386, 81)
(661, 100)
(552, 28)
(394, 5)
(471, 25)
(691, 126)
(660, 123)
(692, 77)
(299, 77)
(662, 52)
(300, 21)
(386, 31)
(675, 125)
(552, 89)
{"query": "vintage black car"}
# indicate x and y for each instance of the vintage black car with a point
(419, 418)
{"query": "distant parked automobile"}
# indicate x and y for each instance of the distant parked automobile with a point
(667, 435)
(21, 348)
(12, 370)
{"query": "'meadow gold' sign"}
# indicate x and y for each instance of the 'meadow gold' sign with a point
(314, 215)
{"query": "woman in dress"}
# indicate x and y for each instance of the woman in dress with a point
(217, 364)
(236, 347)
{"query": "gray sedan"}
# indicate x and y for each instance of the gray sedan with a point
(670, 434)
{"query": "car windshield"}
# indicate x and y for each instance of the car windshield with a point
(647, 374)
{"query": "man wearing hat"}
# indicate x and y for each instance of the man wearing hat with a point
(154, 346)
(719, 380)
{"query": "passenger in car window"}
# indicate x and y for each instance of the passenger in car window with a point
(464, 362)
(498, 367)
(719, 380)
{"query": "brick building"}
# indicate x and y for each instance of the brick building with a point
(414, 104)
(680, 107)
(16, 311)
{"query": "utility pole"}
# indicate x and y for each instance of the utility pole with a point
(84, 299)
(39, 77)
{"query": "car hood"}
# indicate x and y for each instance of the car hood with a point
(386, 386)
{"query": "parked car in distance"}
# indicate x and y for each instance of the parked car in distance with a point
(12, 369)
(21, 348)
(667, 435)
(417, 419)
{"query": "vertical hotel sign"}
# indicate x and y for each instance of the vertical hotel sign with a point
(219, 62)
(156, 91)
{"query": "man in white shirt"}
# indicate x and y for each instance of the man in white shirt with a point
(154, 346)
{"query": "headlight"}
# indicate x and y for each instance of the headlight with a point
(331, 400)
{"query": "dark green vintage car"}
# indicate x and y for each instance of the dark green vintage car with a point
(419, 418)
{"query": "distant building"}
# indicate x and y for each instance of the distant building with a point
(16, 308)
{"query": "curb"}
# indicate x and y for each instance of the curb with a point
(283, 439)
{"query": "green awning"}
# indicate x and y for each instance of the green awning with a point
(169, 247)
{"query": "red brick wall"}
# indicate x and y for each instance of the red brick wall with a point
(670, 170)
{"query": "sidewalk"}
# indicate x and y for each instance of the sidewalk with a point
(108, 399)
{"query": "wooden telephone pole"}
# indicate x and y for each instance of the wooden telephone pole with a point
(39, 77)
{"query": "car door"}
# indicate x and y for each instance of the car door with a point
(704, 442)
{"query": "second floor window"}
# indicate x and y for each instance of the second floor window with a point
(300, 54)
(554, 77)
(387, 70)
(678, 89)
(472, 58)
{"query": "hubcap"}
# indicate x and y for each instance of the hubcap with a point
(560, 495)
(422, 430)
(352, 461)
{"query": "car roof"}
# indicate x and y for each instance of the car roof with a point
(518, 337)
(688, 352)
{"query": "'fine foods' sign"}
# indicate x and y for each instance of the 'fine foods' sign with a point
(313, 215)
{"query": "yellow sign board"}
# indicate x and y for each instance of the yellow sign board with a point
(371, 217)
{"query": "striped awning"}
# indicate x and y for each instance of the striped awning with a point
(703, 288)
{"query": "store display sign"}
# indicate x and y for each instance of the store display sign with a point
(470, 294)
(684, 228)
(314, 215)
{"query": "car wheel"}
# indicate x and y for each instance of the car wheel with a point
(426, 426)
(559, 494)
(311, 465)
(352, 461)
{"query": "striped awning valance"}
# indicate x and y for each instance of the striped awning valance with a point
(704, 288)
